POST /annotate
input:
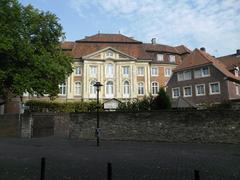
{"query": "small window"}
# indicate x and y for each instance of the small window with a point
(238, 89)
(93, 71)
(172, 58)
(167, 72)
(77, 88)
(183, 76)
(159, 57)
(214, 88)
(187, 91)
(140, 71)
(62, 89)
(175, 92)
(155, 88)
(109, 54)
(154, 71)
(200, 89)
(78, 71)
(125, 70)
(202, 72)
(140, 88)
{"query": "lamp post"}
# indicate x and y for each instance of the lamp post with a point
(98, 85)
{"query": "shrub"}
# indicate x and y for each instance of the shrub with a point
(162, 101)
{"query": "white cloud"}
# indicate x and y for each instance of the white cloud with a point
(214, 24)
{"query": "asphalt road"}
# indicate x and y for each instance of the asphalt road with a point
(82, 160)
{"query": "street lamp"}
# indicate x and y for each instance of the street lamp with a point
(97, 85)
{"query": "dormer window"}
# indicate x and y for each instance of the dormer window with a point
(159, 57)
(172, 58)
(109, 54)
(236, 71)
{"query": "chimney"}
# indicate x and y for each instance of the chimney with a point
(154, 41)
(203, 49)
(238, 52)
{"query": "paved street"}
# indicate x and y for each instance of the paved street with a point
(75, 160)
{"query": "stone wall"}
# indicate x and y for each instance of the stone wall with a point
(9, 125)
(171, 126)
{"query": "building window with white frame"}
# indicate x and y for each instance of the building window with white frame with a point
(159, 57)
(187, 91)
(154, 71)
(109, 70)
(202, 72)
(78, 71)
(175, 92)
(62, 89)
(140, 88)
(185, 75)
(126, 89)
(125, 70)
(93, 71)
(93, 89)
(238, 89)
(200, 89)
(109, 89)
(77, 88)
(140, 71)
(167, 72)
(172, 58)
(214, 88)
(155, 88)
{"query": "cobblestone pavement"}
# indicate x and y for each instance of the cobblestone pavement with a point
(82, 160)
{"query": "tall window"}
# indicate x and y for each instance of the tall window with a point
(140, 88)
(109, 89)
(77, 88)
(167, 72)
(187, 91)
(172, 58)
(109, 70)
(62, 89)
(125, 70)
(126, 89)
(200, 89)
(238, 89)
(159, 57)
(93, 71)
(175, 92)
(155, 88)
(77, 71)
(214, 88)
(140, 71)
(93, 89)
(154, 71)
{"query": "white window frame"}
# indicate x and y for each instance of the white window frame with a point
(160, 57)
(152, 88)
(93, 71)
(202, 75)
(124, 72)
(184, 91)
(126, 89)
(196, 90)
(140, 72)
(237, 89)
(109, 70)
(62, 89)
(78, 71)
(172, 58)
(108, 89)
(77, 86)
(210, 88)
(92, 89)
(154, 71)
(140, 88)
(166, 71)
(173, 95)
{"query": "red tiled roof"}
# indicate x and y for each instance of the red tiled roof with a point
(182, 49)
(109, 38)
(230, 61)
(67, 45)
(198, 57)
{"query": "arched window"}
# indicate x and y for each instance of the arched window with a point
(77, 88)
(109, 70)
(126, 89)
(62, 89)
(155, 88)
(93, 89)
(140, 88)
(109, 89)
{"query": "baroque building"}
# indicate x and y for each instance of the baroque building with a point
(127, 68)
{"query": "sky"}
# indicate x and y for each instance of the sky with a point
(213, 24)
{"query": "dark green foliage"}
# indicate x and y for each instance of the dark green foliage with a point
(162, 101)
(30, 57)
(49, 106)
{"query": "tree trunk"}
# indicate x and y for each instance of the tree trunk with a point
(11, 103)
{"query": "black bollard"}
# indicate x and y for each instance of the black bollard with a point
(43, 167)
(109, 171)
(196, 175)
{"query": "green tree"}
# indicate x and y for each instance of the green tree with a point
(162, 101)
(31, 59)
